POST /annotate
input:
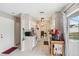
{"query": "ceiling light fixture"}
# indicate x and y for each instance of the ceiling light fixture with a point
(42, 18)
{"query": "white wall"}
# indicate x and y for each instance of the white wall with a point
(73, 47)
(7, 30)
(65, 35)
(57, 21)
(53, 22)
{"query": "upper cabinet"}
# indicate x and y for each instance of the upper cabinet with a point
(27, 22)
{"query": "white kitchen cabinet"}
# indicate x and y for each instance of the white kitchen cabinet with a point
(27, 22)
(29, 43)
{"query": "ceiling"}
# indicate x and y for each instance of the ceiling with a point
(32, 9)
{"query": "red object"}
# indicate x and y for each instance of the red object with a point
(57, 31)
(9, 50)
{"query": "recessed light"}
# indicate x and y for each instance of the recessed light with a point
(41, 12)
(42, 18)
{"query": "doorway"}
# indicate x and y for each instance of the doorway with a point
(6, 33)
(44, 27)
(17, 32)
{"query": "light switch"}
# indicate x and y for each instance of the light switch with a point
(1, 35)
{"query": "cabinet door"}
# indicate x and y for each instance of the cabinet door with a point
(58, 49)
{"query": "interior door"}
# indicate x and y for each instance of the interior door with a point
(1, 34)
(6, 33)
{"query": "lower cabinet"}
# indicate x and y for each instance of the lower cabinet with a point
(29, 43)
(57, 48)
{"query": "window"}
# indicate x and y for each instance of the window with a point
(74, 27)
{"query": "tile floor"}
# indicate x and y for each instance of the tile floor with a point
(39, 50)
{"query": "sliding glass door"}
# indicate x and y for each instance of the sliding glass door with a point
(74, 28)
(73, 34)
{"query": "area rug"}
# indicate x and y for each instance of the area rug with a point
(10, 50)
(45, 42)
